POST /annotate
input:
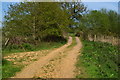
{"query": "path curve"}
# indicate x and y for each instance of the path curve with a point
(30, 70)
(67, 66)
(63, 65)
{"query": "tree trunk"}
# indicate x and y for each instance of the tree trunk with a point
(7, 41)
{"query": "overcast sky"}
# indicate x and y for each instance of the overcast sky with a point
(91, 4)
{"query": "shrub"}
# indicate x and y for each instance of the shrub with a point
(27, 46)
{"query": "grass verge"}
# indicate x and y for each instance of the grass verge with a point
(98, 60)
(73, 42)
(8, 69)
(29, 47)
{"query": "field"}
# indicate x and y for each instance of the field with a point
(98, 60)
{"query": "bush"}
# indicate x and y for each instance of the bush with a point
(54, 38)
(11, 47)
(27, 46)
(5, 62)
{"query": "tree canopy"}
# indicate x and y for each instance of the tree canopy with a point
(35, 20)
(100, 22)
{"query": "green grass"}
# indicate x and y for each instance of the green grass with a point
(72, 34)
(28, 47)
(0, 71)
(73, 42)
(98, 60)
(9, 69)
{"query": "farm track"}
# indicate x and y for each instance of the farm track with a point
(60, 63)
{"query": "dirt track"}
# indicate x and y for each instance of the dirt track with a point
(60, 63)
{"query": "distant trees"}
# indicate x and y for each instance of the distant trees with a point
(114, 21)
(102, 22)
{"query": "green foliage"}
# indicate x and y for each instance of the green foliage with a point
(100, 22)
(100, 60)
(73, 42)
(27, 46)
(49, 45)
(10, 47)
(35, 20)
(74, 9)
(8, 69)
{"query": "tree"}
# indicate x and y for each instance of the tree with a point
(75, 10)
(100, 22)
(33, 21)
